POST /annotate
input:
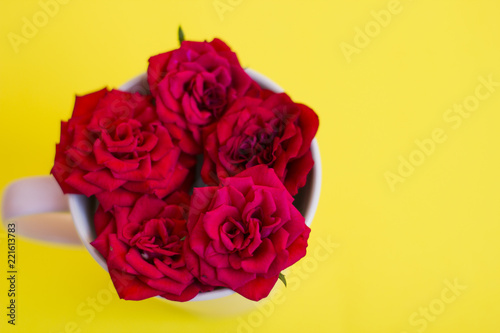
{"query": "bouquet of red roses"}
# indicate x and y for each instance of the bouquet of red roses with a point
(137, 154)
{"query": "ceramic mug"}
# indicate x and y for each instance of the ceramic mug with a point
(40, 210)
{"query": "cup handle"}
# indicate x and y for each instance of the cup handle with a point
(40, 210)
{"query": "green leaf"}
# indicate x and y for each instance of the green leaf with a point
(181, 35)
(282, 278)
(183, 238)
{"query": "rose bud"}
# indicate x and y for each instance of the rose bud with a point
(272, 131)
(115, 147)
(195, 85)
(243, 233)
(143, 248)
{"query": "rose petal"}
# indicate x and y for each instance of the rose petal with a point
(77, 181)
(181, 276)
(297, 250)
(160, 150)
(162, 167)
(309, 123)
(116, 255)
(201, 198)
(157, 71)
(134, 258)
(257, 288)
(295, 226)
(200, 269)
(213, 258)
(101, 243)
(214, 218)
(198, 239)
(187, 294)
(145, 208)
(104, 179)
(234, 279)
(101, 220)
(129, 287)
(77, 158)
(83, 104)
(123, 169)
(240, 183)
(105, 157)
(297, 173)
(261, 260)
(177, 83)
(118, 197)
(262, 175)
(165, 285)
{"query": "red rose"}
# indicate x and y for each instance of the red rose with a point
(194, 85)
(242, 234)
(273, 131)
(115, 147)
(143, 248)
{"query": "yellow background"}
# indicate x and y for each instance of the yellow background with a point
(394, 249)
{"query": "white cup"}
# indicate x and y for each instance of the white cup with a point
(40, 211)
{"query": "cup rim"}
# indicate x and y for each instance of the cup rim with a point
(82, 207)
